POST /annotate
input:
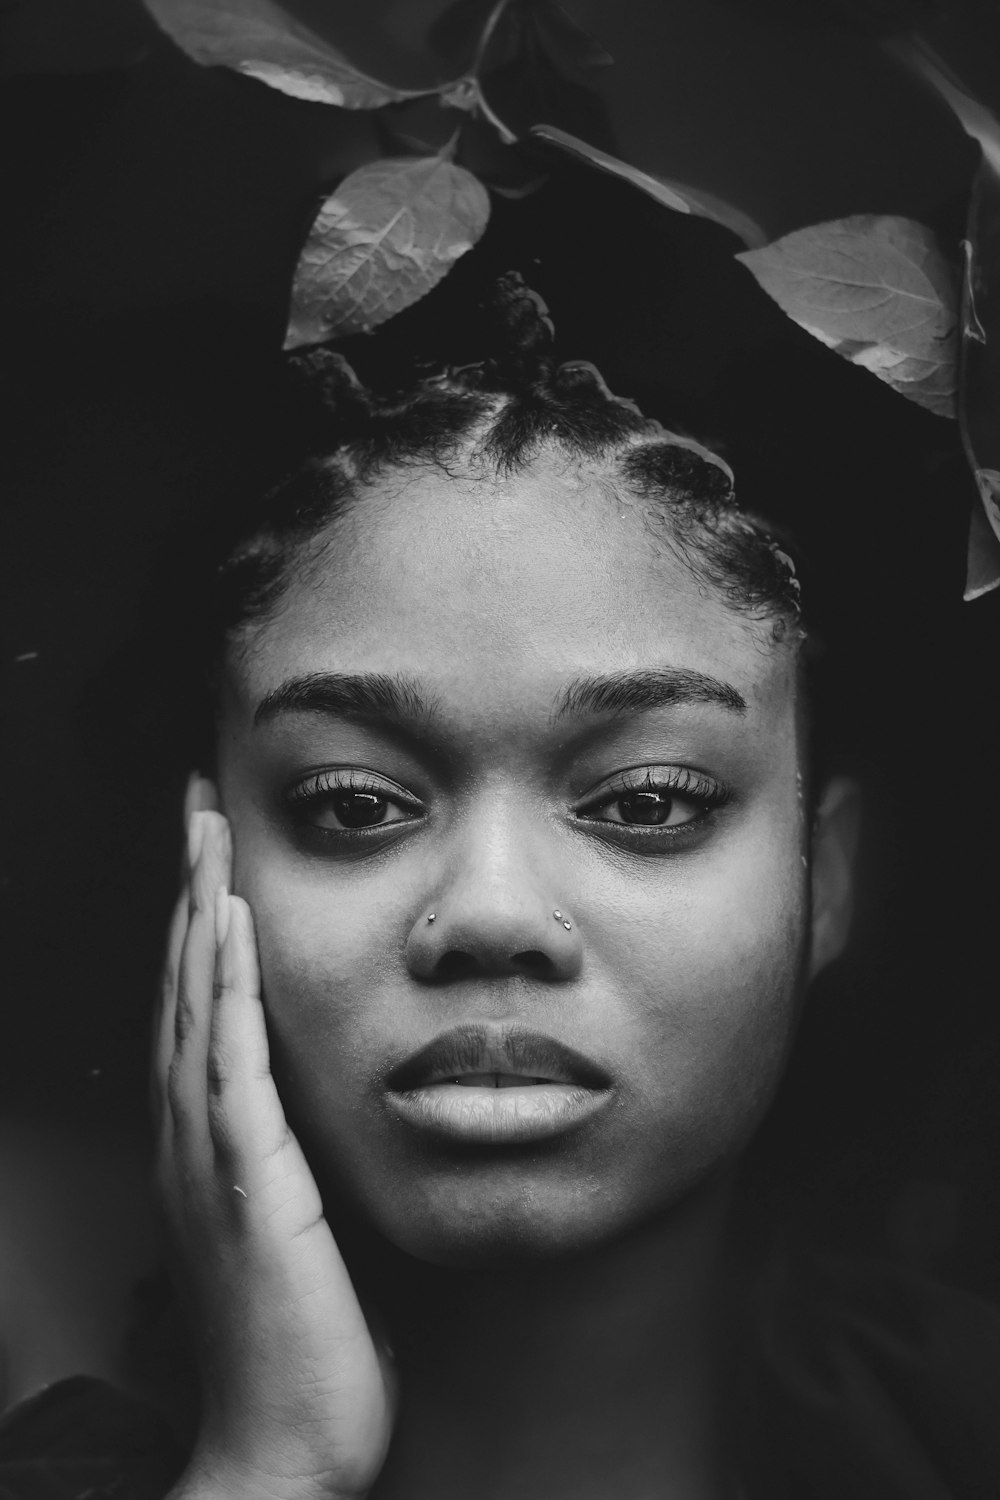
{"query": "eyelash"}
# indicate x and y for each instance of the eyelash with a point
(704, 793)
(323, 786)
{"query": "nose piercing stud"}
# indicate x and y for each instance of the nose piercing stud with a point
(559, 918)
(432, 916)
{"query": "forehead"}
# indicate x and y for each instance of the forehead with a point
(505, 588)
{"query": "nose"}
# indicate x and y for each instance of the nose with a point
(497, 911)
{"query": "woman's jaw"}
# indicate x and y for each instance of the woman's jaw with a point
(515, 803)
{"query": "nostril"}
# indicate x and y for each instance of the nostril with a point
(533, 961)
(455, 965)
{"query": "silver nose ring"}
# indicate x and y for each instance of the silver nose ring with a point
(557, 914)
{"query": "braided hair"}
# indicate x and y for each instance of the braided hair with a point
(493, 418)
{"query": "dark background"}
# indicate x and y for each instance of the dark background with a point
(154, 212)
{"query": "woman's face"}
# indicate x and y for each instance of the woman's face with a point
(507, 705)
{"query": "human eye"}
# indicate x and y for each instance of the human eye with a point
(345, 802)
(668, 801)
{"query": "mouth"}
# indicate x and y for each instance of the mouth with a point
(495, 1081)
(492, 1086)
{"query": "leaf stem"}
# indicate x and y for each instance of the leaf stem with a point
(450, 146)
(507, 136)
(975, 117)
(467, 93)
(486, 36)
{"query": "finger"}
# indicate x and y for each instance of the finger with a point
(165, 1018)
(192, 1017)
(177, 932)
(245, 1114)
(165, 1021)
(200, 795)
(258, 1158)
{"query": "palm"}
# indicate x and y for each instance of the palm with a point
(308, 1325)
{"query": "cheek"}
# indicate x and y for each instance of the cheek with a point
(323, 953)
(715, 972)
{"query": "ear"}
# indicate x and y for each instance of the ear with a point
(834, 847)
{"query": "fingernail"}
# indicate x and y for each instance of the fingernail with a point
(199, 794)
(222, 914)
(196, 838)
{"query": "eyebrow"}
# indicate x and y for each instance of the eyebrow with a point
(631, 692)
(379, 695)
(365, 695)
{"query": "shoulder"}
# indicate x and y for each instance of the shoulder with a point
(83, 1437)
(878, 1381)
(76, 1234)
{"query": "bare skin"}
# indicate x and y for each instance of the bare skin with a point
(555, 1308)
(269, 1293)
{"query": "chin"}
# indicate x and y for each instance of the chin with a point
(504, 1216)
(502, 1239)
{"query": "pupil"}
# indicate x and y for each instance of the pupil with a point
(645, 807)
(359, 809)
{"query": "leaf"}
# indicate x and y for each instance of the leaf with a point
(258, 38)
(979, 410)
(388, 235)
(975, 117)
(674, 195)
(979, 376)
(878, 290)
(456, 33)
(983, 567)
(468, 30)
(567, 42)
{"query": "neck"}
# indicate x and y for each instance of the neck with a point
(589, 1377)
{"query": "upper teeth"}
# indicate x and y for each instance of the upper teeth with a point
(496, 1080)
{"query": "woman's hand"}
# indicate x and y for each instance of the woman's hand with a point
(297, 1402)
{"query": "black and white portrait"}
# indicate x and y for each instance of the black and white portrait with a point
(502, 535)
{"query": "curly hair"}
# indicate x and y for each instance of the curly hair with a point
(494, 418)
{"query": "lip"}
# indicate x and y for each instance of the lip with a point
(561, 1087)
